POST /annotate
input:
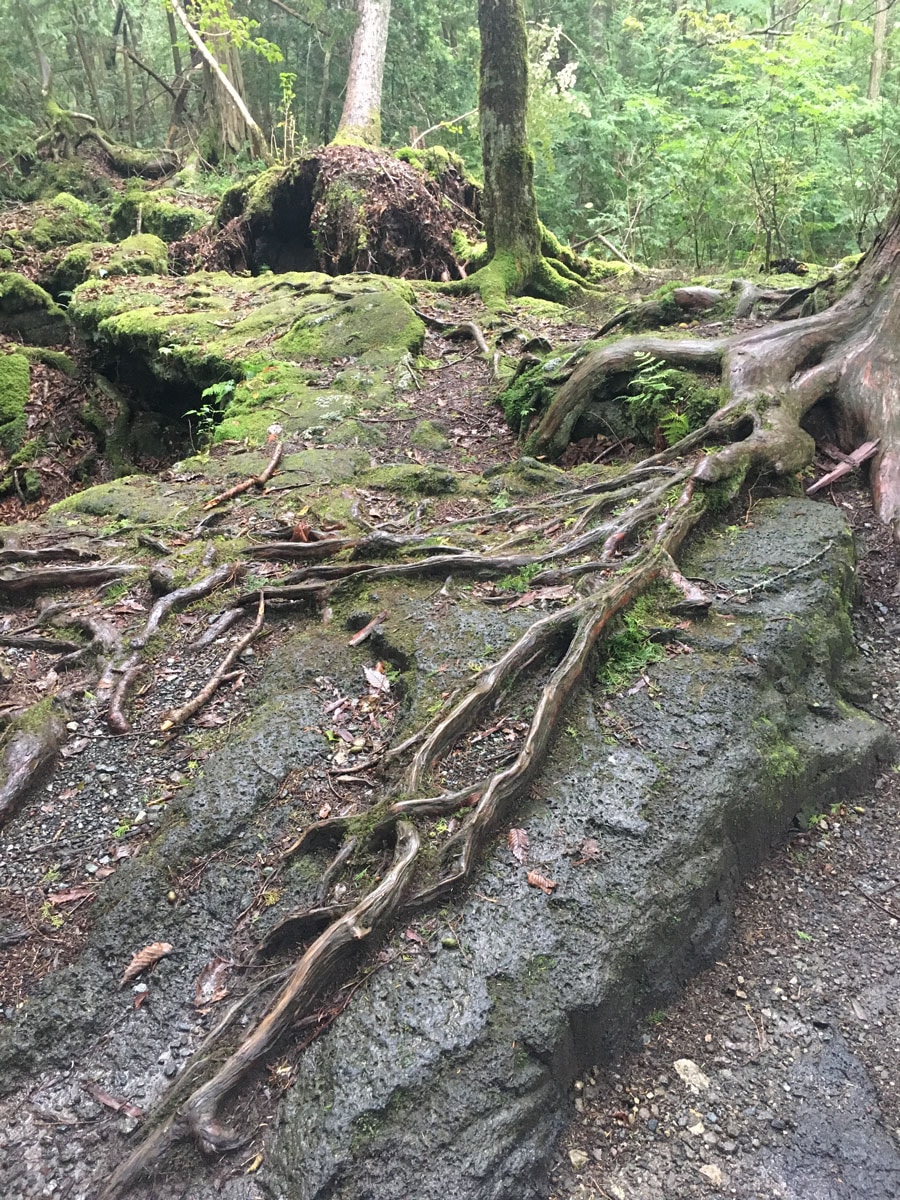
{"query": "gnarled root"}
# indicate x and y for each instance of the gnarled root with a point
(198, 1116)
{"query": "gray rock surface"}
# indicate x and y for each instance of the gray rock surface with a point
(447, 1074)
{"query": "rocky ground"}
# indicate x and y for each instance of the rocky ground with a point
(777, 1073)
(158, 835)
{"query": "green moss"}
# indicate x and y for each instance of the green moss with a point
(527, 394)
(160, 217)
(429, 435)
(6, 257)
(64, 220)
(630, 649)
(142, 254)
(407, 477)
(15, 385)
(28, 312)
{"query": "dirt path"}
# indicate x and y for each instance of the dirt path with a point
(792, 1040)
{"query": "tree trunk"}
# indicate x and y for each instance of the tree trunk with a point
(236, 125)
(511, 221)
(360, 122)
(879, 37)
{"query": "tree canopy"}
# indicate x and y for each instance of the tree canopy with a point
(680, 134)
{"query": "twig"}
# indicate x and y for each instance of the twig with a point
(177, 716)
(258, 481)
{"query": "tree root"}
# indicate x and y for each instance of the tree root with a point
(31, 747)
(178, 716)
(772, 376)
(198, 1115)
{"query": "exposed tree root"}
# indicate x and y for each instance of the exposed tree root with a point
(31, 744)
(198, 1115)
(771, 379)
(177, 716)
(17, 581)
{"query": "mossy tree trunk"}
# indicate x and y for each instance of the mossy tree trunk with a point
(511, 219)
(360, 122)
(523, 256)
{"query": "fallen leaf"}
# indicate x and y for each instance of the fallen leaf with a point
(589, 851)
(210, 987)
(713, 1173)
(104, 872)
(517, 840)
(78, 746)
(691, 1074)
(145, 958)
(412, 936)
(97, 1093)
(254, 1164)
(72, 894)
(537, 880)
(376, 679)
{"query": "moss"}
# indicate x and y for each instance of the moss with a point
(6, 257)
(406, 478)
(429, 435)
(15, 385)
(142, 254)
(64, 220)
(527, 394)
(160, 217)
(28, 312)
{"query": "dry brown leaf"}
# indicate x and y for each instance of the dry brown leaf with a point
(517, 840)
(97, 1093)
(376, 678)
(145, 958)
(210, 988)
(67, 897)
(537, 880)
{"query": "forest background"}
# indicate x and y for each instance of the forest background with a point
(683, 135)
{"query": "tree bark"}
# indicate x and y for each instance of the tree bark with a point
(879, 37)
(773, 376)
(360, 122)
(511, 221)
(229, 123)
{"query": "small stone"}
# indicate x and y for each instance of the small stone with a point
(72, 726)
(578, 1159)
(171, 897)
(713, 1173)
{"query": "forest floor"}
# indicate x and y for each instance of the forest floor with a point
(809, 977)
(795, 1031)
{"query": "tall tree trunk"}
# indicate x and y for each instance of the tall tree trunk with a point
(879, 37)
(511, 219)
(173, 39)
(360, 121)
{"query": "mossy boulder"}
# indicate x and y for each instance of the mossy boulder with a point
(429, 435)
(15, 385)
(30, 313)
(57, 222)
(142, 254)
(269, 335)
(156, 213)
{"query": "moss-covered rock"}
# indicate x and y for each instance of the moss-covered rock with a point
(156, 213)
(15, 384)
(268, 335)
(429, 435)
(142, 254)
(60, 222)
(28, 312)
